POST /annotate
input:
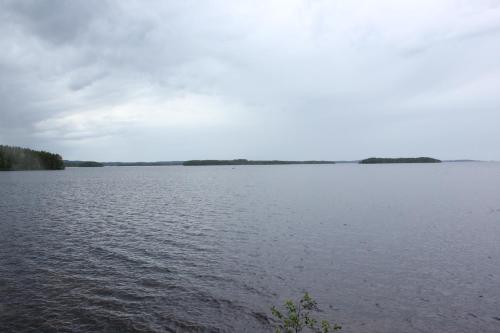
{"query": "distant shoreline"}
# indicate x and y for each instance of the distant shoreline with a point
(385, 160)
(20, 159)
(83, 164)
(249, 162)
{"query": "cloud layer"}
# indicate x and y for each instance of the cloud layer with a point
(173, 80)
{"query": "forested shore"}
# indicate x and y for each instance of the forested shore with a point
(17, 158)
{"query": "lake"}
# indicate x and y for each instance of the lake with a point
(382, 248)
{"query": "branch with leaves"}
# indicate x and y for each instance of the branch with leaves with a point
(297, 317)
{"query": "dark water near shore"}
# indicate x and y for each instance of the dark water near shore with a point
(383, 248)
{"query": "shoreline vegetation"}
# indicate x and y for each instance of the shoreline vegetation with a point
(83, 164)
(379, 160)
(243, 161)
(20, 159)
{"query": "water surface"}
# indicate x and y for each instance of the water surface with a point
(383, 248)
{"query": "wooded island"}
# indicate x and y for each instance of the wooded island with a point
(243, 161)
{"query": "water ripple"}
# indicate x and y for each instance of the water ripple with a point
(174, 249)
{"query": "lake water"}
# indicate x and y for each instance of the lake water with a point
(382, 248)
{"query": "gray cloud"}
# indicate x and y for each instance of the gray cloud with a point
(56, 21)
(159, 80)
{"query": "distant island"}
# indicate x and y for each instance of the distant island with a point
(17, 159)
(83, 164)
(249, 162)
(378, 160)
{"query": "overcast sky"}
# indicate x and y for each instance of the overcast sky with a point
(175, 80)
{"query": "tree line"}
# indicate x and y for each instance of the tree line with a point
(17, 158)
(242, 161)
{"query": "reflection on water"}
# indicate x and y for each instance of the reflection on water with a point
(383, 248)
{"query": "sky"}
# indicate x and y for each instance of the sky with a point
(166, 80)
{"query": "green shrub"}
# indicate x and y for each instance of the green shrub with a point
(297, 317)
